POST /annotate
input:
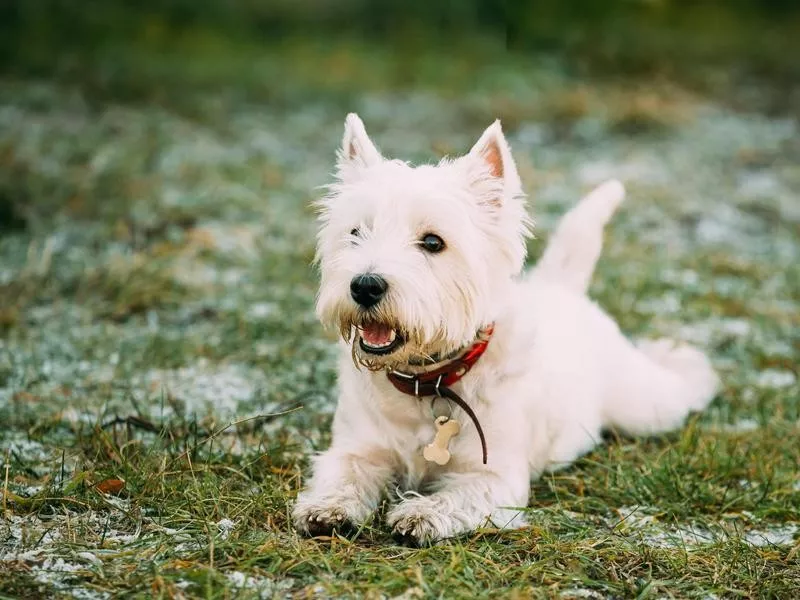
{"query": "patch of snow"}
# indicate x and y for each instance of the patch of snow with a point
(571, 593)
(123, 504)
(775, 379)
(80, 593)
(28, 556)
(29, 450)
(264, 587)
(781, 535)
(263, 349)
(634, 516)
(27, 490)
(681, 536)
(261, 310)
(115, 537)
(667, 304)
(73, 415)
(741, 426)
(204, 388)
(737, 327)
(705, 332)
(727, 225)
(89, 557)
(759, 184)
(52, 570)
(660, 535)
(6, 275)
(777, 348)
(683, 278)
(225, 527)
(636, 520)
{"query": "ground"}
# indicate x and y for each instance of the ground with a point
(163, 379)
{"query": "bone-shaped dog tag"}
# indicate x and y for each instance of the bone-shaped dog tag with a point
(436, 451)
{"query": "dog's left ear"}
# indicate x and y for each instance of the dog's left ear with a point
(492, 149)
(357, 149)
(495, 152)
(496, 186)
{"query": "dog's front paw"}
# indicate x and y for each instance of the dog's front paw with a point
(418, 522)
(315, 516)
(321, 520)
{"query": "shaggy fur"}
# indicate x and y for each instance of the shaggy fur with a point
(556, 373)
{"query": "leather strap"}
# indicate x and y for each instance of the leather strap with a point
(437, 382)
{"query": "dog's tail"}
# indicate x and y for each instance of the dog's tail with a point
(575, 246)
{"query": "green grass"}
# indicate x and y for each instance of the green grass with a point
(156, 287)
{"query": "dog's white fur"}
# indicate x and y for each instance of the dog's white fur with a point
(556, 373)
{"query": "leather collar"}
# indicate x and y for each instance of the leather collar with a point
(437, 382)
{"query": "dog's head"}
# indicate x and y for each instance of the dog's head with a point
(415, 260)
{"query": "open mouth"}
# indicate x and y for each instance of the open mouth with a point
(378, 338)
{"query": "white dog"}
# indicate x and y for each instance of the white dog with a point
(460, 380)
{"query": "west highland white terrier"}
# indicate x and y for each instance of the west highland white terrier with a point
(460, 378)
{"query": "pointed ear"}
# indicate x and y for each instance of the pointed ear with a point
(357, 149)
(493, 150)
(492, 156)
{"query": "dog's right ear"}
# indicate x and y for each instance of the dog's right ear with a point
(357, 149)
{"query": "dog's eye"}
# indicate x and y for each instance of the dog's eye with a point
(432, 243)
(355, 232)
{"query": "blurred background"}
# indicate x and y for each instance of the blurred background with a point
(184, 56)
(201, 59)
(110, 47)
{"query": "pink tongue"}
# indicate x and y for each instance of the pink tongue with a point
(376, 335)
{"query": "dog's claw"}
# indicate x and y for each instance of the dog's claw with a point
(320, 527)
(404, 539)
(414, 530)
(320, 522)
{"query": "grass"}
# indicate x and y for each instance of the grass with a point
(163, 379)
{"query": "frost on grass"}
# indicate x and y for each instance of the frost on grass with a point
(711, 331)
(16, 443)
(744, 425)
(201, 389)
(262, 586)
(781, 535)
(775, 379)
(30, 537)
(644, 525)
(57, 572)
(577, 593)
(225, 527)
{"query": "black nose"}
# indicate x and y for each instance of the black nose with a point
(368, 289)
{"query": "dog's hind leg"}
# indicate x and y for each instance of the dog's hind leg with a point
(574, 247)
(655, 385)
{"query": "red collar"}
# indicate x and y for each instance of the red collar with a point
(448, 374)
(438, 381)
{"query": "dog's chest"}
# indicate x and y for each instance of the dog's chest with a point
(426, 449)
(408, 425)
